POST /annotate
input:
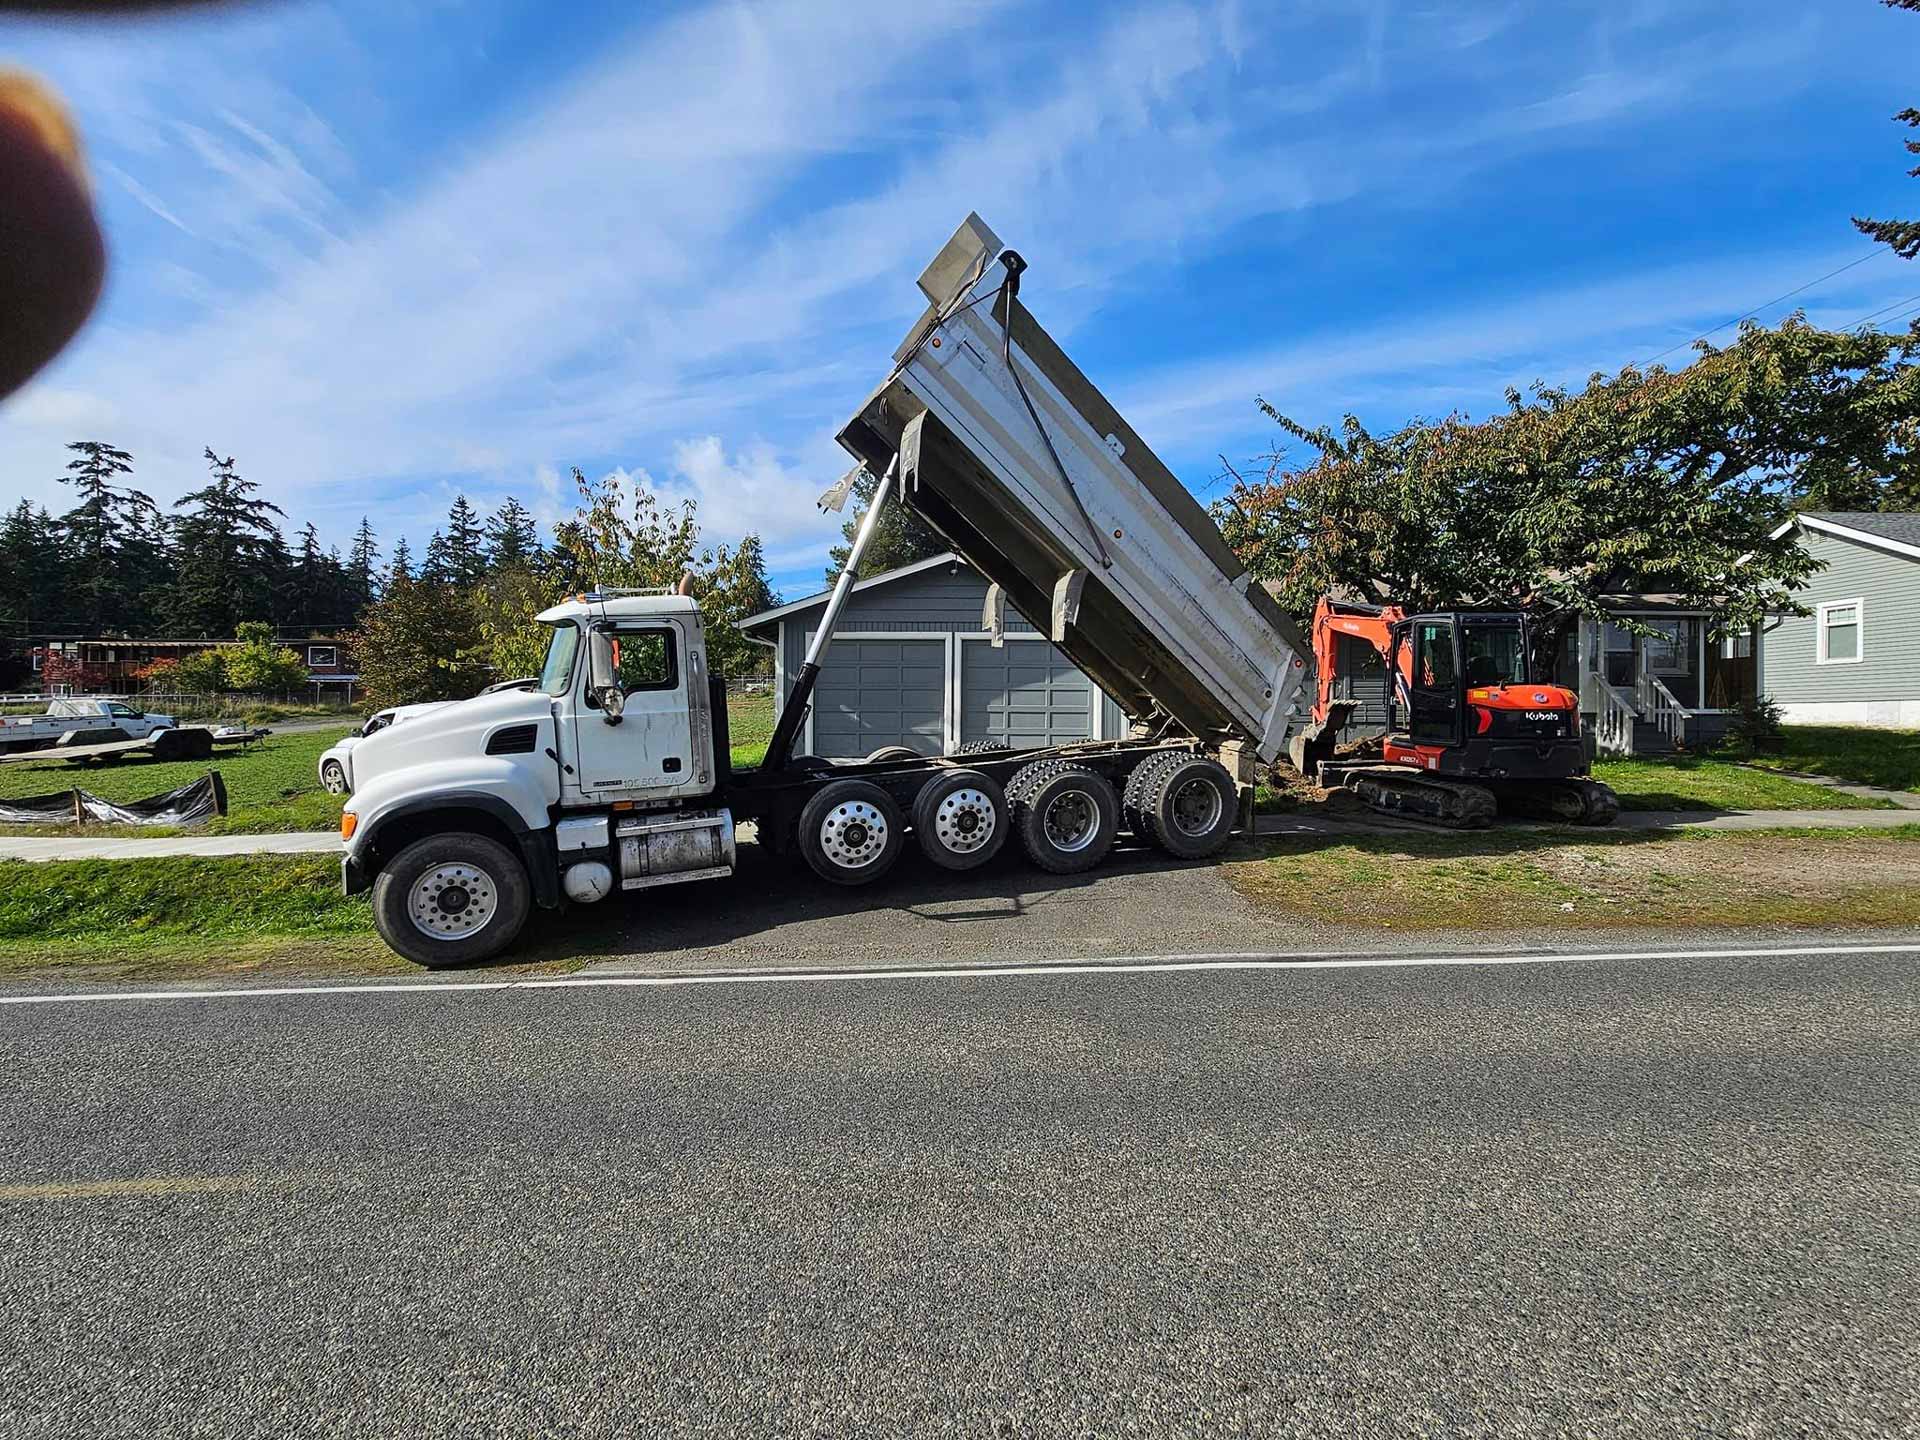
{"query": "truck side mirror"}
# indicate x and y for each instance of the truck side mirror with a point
(603, 681)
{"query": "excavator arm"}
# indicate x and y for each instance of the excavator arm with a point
(1332, 619)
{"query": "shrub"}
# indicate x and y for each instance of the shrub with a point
(1754, 728)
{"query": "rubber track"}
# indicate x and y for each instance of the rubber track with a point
(1455, 804)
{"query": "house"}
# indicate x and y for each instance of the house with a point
(116, 665)
(912, 665)
(1854, 659)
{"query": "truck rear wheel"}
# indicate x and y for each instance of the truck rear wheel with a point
(960, 817)
(452, 899)
(1140, 783)
(1189, 807)
(851, 832)
(1067, 820)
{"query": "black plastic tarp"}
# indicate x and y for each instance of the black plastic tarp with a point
(190, 805)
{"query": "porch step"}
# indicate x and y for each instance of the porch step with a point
(1648, 739)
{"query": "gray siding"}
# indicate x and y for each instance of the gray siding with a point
(937, 602)
(1888, 586)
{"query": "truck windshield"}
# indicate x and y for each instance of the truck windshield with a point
(557, 673)
(1494, 652)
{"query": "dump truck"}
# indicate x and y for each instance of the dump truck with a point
(610, 771)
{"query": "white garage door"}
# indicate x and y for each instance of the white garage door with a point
(881, 692)
(1025, 694)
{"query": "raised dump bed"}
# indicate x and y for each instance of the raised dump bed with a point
(1012, 454)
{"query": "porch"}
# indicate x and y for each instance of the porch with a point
(1673, 689)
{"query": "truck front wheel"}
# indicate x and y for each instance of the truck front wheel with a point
(452, 899)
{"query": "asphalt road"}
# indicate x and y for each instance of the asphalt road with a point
(1599, 1196)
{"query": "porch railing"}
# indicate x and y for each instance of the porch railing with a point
(1613, 727)
(1658, 704)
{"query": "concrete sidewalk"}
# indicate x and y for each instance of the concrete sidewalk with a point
(84, 847)
(320, 842)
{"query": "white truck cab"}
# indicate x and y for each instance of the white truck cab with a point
(579, 781)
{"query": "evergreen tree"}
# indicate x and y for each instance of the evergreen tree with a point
(466, 556)
(362, 574)
(1902, 235)
(437, 568)
(32, 571)
(402, 566)
(230, 553)
(512, 537)
(99, 533)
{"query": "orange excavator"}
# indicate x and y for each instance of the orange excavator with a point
(1470, 732)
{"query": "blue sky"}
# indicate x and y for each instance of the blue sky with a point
(382, 253)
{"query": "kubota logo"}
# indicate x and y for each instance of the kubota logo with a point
(1543, 714)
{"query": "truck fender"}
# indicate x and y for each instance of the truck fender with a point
(363, 859)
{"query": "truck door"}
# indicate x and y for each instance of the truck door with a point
(650, 751)
(1435, 684)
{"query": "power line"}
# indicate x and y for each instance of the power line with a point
(1766, 305)
(1876, 314)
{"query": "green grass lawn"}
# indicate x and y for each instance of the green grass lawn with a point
(749, 727)
(270, 787)
(1689, 782)
(1889, 759)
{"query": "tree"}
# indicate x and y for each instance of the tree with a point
(734, 587)
(463, 556)
(203, 672)
(32, 569)
(621, 541)
(260, 667)
(508, 642)
(402, 566)
(1665, 481)
(900, 537)
(512, 537)
(104, 536)
(1902, 235)
(230, 550)
(418, 643)
(362, 570)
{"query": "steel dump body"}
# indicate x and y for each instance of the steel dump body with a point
(1115, 561)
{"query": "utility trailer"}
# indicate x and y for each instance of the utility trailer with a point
(611, 769)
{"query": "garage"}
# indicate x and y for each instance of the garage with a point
(910, 665)
(881, 692)
(1024, 693)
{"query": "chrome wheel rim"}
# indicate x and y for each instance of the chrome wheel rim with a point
(1196, 807)
(335, 779)
(1071, 820)
(965, 821)
(451, 902)
(854, 834)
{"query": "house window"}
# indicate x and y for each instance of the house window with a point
(1737, 646)
(1840, 632)
(321, 657)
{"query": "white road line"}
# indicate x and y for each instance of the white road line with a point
(1117, 965)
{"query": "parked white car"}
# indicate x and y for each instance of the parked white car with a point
(336, 761)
